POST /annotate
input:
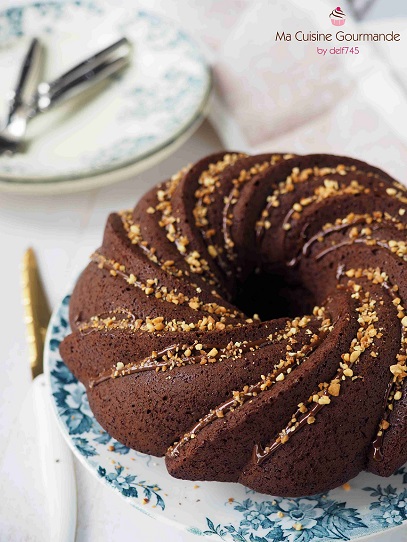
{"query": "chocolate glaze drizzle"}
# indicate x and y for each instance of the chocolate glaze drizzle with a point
(260, 454)
(260, 230)
(167, 191)
(252, 391)
(377, 444)
(232, 198)
(200, 203)
(119, 314)
(304, 251)
(369, 242)
(103, 262)
(152, 363)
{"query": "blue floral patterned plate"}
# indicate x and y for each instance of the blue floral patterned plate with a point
(230, 512)
(123, 126)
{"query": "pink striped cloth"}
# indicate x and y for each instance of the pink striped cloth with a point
(283, 96)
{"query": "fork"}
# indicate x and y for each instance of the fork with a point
(27, 103)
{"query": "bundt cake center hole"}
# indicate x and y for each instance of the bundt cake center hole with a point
(273, 296)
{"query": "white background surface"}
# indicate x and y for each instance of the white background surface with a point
(64, 230)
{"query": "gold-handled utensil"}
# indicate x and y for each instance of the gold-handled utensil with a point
(37, 312)
(55, 458)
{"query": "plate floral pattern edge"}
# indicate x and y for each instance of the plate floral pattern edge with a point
(318, 518)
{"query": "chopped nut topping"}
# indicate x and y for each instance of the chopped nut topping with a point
(334, 389)
(324, 400)
(354, 356)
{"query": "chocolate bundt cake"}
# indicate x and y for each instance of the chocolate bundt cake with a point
(247, 319)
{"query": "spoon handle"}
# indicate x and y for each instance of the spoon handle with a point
(89, 64)
(74, 86)
(27, 78)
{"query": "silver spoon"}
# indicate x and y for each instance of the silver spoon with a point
(17, 115)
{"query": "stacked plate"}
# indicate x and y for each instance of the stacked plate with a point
(119, 127)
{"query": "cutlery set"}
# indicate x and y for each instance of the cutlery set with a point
(30, 97)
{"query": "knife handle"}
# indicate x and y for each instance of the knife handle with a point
(37, 313)
(57, 468)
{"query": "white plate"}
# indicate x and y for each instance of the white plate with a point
(118, 128)
(224, 511)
